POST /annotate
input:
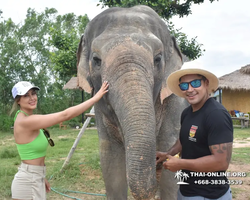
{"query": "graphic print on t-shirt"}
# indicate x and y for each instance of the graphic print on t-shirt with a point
(192, 132)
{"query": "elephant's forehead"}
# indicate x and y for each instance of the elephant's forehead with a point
(125, 19)
(129, 17)
(125, 33)
(106, 42)
(133, 18)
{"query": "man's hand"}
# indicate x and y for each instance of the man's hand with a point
(172, 163)
(160, 156)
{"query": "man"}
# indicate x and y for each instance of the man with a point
(205, 140)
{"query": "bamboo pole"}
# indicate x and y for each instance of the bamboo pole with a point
(85, 125)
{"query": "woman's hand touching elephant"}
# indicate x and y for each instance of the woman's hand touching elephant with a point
(102, 91)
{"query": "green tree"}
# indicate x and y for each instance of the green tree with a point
(9, 65)
(167, 9)
(191, 48)
(22, 55)
(26, 53)
(65, 37)
(35, 61)
(8, 49)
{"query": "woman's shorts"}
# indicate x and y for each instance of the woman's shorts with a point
(29, 183)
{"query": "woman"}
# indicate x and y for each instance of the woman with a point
(31, 141)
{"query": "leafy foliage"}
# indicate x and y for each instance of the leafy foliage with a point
(65, 39)
(6, 122)
(42, 50)
(190, 48)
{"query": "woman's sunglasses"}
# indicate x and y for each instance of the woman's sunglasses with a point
(194, 83)
(47, 135)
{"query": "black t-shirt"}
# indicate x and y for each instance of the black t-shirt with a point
(208, 126)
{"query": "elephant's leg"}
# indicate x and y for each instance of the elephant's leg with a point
(158, 178)
(168, 185)
(167, 137)
(167, 189)
(114, 169)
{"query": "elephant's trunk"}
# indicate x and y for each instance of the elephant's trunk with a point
(140, 156)
(135, 111)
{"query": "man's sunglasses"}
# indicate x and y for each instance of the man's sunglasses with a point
(194, 83)
(47, 135)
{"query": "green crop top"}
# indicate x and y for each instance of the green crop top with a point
(35, 149)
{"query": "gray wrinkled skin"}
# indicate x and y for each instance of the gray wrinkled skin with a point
(132, 49)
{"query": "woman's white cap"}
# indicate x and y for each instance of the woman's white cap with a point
(22, 87)
(191, 67)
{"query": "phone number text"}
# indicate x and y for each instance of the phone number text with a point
(218, 182)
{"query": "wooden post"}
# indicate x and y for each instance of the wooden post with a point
(242, 121)
(77, 139)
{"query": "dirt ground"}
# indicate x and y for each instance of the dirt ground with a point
(241, 143)
(241, 192)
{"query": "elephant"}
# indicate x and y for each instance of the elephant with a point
(133, 50)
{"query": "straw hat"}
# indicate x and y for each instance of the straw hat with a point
(191, 67)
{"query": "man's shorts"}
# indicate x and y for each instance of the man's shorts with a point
(226, 196)
(29, 182)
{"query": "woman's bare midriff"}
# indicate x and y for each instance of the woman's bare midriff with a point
(37, 161)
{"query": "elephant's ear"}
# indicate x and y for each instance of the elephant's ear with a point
(173, 63)
(83, 74)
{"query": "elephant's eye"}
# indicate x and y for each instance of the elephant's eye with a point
(97, 61)
(157, 60)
